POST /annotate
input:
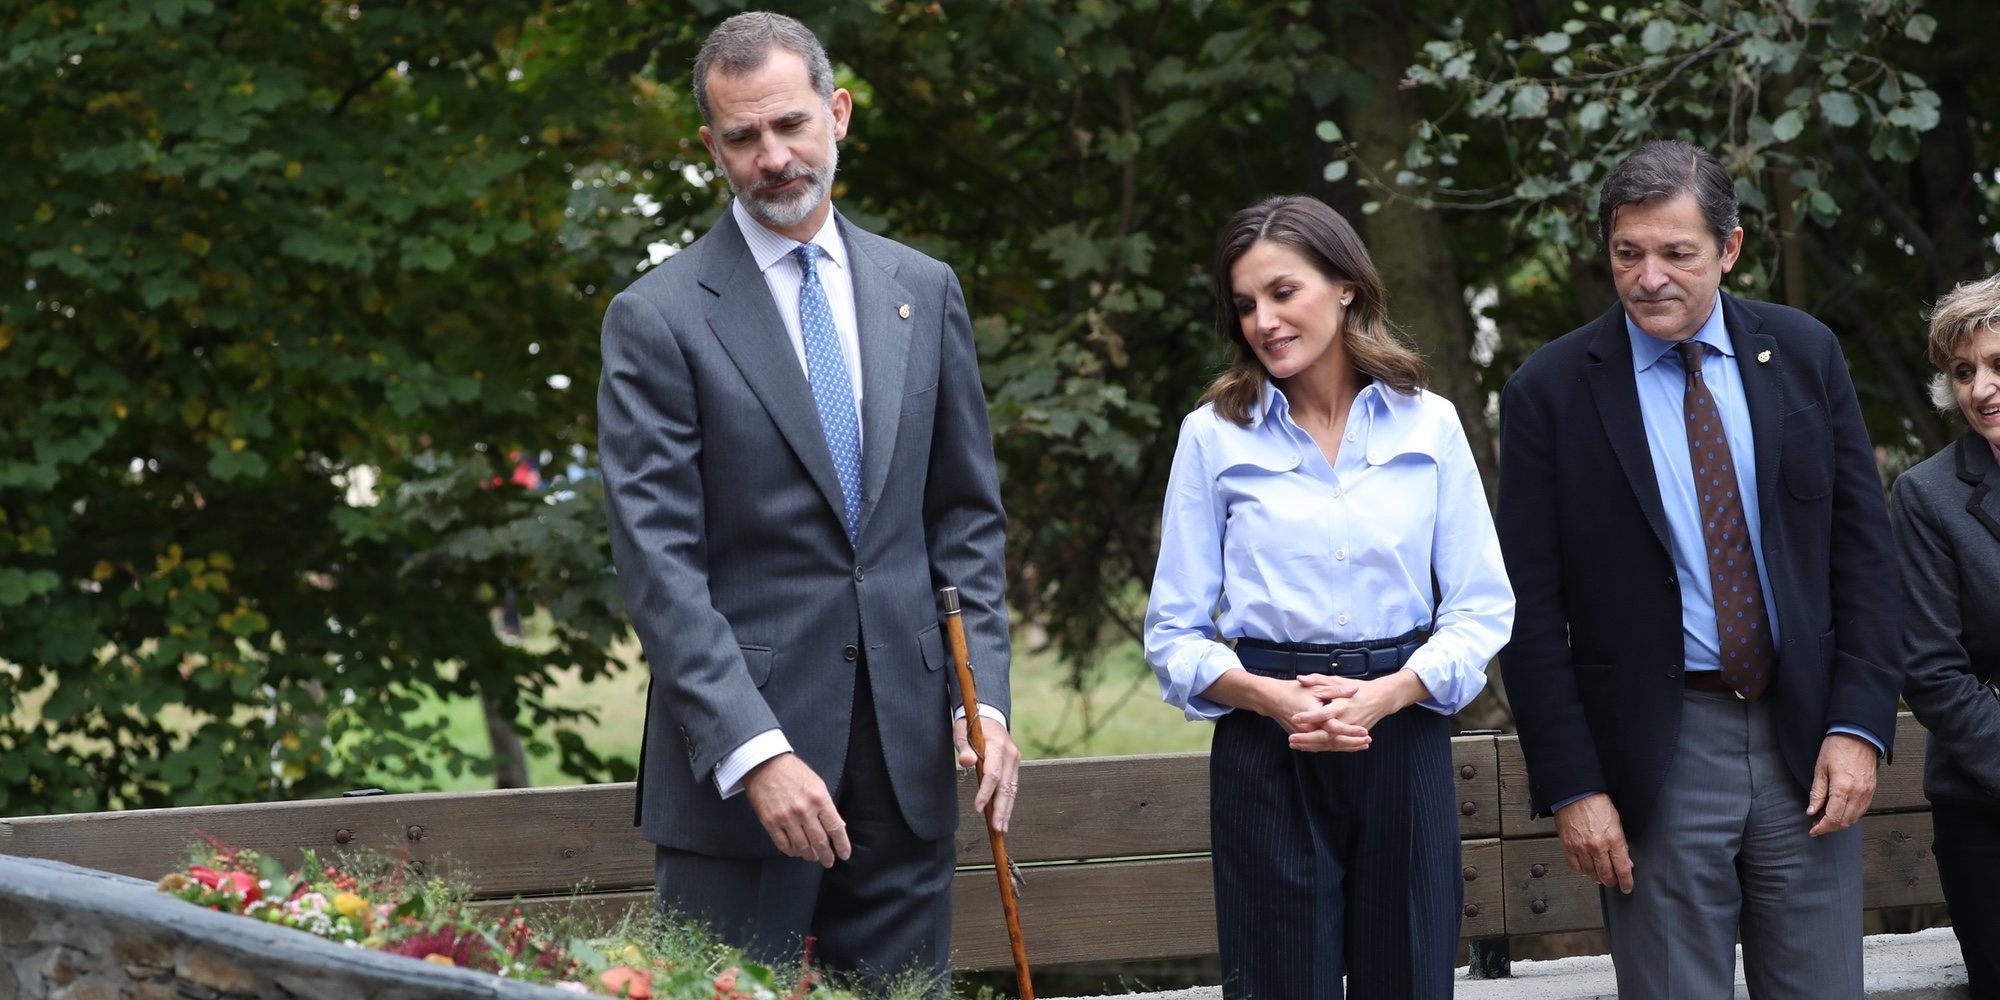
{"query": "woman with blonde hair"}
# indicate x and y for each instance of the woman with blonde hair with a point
(1946, 511)
(1329, 589)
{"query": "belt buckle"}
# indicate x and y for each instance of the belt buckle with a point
(1353, 663)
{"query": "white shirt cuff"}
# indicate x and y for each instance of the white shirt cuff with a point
(756, 750)
(985, 712)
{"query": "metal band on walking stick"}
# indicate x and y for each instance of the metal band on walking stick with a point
(954, 627)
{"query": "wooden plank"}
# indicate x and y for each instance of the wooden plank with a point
(1475, 767)
(1899, 787)
(1897, 867)
(1101, 911)
(1097, 807)
(518, 841)
(1514, 819)
(1153, 804)
(1543, 895)
(1104, 911)
(1485, 890)
(551, 840)
(592, 913)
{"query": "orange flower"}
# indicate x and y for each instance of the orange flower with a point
(628, 982)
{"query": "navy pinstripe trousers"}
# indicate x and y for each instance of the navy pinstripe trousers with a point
(1335, 863)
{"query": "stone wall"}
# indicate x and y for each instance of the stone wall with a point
(68, 932)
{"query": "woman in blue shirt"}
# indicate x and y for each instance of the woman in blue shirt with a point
(1324, 512)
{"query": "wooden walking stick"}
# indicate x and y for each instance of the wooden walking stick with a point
(961, 659)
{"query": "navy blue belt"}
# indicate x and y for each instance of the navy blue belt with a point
(1358, 659)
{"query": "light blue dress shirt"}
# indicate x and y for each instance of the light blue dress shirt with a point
(1662, 403)
(1662, 380)
(1260, 537)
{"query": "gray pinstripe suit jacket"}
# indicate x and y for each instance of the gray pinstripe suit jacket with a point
(727, 530)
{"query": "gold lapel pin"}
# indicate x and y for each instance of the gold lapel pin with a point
(904, 311)
(1763, 357)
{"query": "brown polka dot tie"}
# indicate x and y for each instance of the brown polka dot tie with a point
(1741, 625)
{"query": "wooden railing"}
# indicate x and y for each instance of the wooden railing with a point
(1113, 850)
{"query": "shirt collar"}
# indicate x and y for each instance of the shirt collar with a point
(1647, 349)
(1272, 404)
(768, 248)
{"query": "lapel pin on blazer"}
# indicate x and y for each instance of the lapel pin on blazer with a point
(903, 310)
(1763, 357)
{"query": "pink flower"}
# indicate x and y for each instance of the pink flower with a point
(628, 982)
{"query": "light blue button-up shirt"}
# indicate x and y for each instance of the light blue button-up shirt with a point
(1662, 403)
(1261, 537)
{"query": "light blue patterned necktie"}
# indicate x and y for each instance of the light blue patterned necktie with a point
(833, 392)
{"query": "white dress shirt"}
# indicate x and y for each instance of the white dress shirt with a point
(773, 253)
(1262, 538)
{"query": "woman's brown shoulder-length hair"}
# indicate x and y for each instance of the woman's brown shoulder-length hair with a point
(1322, 236)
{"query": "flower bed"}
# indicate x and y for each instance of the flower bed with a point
(371, 902)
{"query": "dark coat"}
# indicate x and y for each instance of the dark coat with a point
(1595, 667)
(1946, 511)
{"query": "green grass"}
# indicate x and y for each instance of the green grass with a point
(1116, 710)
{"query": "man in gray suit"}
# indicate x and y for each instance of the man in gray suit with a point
(796, 455)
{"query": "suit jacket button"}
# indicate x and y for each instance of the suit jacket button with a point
(859, 573)
(850, 653)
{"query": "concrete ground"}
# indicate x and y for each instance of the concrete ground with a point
(1921, 966)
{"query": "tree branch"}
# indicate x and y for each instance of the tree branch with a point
(359, 87)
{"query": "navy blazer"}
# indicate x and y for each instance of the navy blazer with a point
(1594, 670)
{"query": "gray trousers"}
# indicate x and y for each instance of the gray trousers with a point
(882, 918)
(1728, 852)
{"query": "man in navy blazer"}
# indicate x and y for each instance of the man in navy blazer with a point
(796, 454)
(1702, 664)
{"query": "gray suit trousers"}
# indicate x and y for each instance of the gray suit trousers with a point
(1727, 852)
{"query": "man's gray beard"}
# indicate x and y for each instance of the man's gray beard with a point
(786, 212)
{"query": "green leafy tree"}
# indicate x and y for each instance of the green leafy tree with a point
(1862, 166)
(287, 293)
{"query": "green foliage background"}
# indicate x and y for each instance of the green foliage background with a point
(288, 288)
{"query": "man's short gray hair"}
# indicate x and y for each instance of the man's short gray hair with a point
(1669, 168)
(741, 44)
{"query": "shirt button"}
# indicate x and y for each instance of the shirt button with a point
(1340, 553)
(1336, 493)
(1350, 435)
(1341, 620)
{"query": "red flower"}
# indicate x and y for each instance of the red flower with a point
(241, 884)
(246, 886)
(464, 950)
